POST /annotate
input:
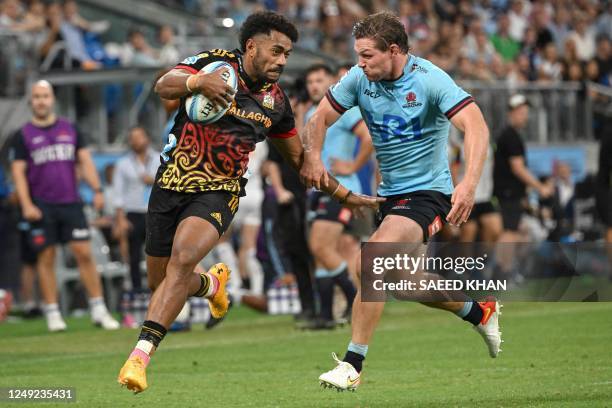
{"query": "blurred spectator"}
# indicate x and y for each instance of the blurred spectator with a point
(591, 71)
(604, 21)
(540, 22)
(477, 46)
(168, 54)
(10, 14)
(511, 175)
(573, 72)
(72, 16)
(549, 67)
(106, 222)
(603, 58)
(505, 45)
(560, 26)
(584, 38)
(61, 30)
(518, 19)
(13, 18)
(137, 52)
(132, 182)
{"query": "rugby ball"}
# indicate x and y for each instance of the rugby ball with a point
(199, 108)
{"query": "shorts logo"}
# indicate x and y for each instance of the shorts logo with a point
(217, 217)
(38, 237)
(435, 226)
(401, 204)
(345, 216)
(80, 233)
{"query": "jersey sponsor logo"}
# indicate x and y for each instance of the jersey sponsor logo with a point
(219, 52)
(371, 94)
(268, 101)
(190, 60)
(435, 226)
(217, 217)
(417, 67)
(38, 139)
(53, 153)
(255, 116)
(411, 100)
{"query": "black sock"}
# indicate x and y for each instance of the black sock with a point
(475, 314)
(325, 287)
(152, 332)
(354, 359)
(347, 287)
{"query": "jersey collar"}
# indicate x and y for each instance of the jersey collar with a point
(407, 70)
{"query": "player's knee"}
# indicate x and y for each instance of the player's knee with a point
(319, 248)
(185, 259)
(82, 254)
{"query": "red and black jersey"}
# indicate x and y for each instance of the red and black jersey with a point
(215, 156)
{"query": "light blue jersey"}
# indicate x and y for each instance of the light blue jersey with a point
(340, 143)
(409, 123)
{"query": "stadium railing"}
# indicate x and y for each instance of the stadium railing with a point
(560, 112)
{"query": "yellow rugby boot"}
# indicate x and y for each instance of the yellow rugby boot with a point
(219, 302)
(133, 374)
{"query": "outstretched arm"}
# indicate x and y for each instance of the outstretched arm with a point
(292, 151)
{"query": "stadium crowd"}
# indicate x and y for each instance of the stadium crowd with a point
(516, 41)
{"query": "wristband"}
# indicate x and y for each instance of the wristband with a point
(346, 197)
(187, 84)
(333, 195)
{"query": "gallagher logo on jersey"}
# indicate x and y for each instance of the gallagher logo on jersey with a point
(411, 100)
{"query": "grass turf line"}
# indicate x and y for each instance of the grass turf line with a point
(555, 354)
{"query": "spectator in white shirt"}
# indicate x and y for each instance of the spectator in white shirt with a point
(168, 54)
(584, 38)
(132, 182)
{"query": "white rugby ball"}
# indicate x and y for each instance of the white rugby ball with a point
(199, 108)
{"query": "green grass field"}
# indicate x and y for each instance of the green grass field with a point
(555, 354)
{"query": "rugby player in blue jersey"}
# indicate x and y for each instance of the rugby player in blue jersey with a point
(408, 104)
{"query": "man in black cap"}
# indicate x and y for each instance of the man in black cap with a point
(510, 174)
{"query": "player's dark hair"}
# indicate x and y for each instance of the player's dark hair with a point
(264, 22)
(319, 67)
(385, 28)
